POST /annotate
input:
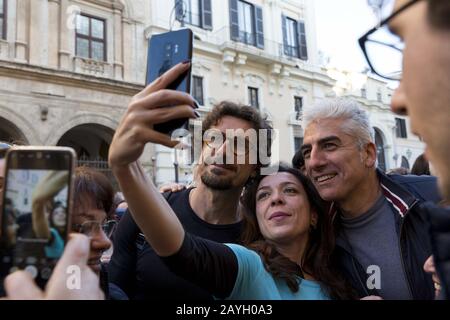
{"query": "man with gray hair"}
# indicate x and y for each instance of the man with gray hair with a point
(380, 230)
(421, 30)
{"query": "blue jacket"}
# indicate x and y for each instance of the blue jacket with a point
(405, 194)
(440, 243)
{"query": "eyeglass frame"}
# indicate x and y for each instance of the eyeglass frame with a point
(77, 227)
(226, 139)
(363, 39)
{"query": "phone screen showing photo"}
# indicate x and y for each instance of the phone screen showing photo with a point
(35, 213)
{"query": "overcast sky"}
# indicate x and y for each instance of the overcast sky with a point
(339, 25)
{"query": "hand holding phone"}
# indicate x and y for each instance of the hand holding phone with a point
(145, 111)
(36, 209)
(165, 51)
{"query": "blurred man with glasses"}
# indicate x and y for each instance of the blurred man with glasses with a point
(412, 45)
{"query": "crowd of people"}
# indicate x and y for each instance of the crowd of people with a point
(331, 226)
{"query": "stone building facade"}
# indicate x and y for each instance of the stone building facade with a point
(68, 69)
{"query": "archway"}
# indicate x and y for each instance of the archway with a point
(91, 143)
(405, 163)
(9, 132)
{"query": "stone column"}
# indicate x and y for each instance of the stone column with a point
(118, 57)
(67, 20)
(22, 22)
(38, 46)
(53, 32)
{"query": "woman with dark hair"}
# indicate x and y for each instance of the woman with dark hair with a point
(421, 166)
(92, 213)
(315, 262)
(288, 243)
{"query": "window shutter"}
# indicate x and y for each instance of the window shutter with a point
(179, 10)
(302, 40)
(285, 41)
(206, 14)
(234, 20)
(259, 27)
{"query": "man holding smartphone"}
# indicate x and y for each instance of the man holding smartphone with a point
(423, 27)
(210, 210)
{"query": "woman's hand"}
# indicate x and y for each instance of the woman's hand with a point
(172, 187)
(151, 106)
(72, 278)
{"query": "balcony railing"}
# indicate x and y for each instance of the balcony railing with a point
(273, 51)
(291, 51)
(193, 19)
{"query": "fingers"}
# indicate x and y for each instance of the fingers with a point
(167, 78)
(162, 115)
(372, 298)
(75, 253)
(20, 286)
(162, 98)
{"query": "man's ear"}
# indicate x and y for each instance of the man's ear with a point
(370, 155)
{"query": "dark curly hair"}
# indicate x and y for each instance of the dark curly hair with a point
(244, 112)
(318, 260)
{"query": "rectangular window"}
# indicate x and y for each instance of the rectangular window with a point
(3, 4)
(294, 38)
(195, 12)
(246, 33)
(246, 23)
(291, 45)
(363, 92)
(197, 89)
(90, 38)
(298, 105)
(253, 98)
(400, 128)
(379, 96)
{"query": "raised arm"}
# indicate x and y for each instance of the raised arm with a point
(43, 193)
(151, 212)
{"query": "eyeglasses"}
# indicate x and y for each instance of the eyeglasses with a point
(239, 144)
(92, 228)
(383, 50)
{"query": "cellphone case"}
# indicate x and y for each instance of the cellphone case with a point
(165, 51)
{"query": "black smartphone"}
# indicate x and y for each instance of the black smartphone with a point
(36, 209)
(164, 51)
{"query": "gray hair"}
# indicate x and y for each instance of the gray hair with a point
(356, 123)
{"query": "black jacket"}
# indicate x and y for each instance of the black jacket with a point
(405, 194)
(440, 243)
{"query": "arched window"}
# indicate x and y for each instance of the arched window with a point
(405, 163)
(380, 150)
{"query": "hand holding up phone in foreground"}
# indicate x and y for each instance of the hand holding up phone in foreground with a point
(153, 105)
(20, 285)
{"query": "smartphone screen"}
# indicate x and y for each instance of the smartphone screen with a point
(165, 51)
(36, 210)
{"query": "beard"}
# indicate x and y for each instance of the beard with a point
(216, 182)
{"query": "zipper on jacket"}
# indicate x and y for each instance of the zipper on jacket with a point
(355, 267)
(359, 276)
(408, 280)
